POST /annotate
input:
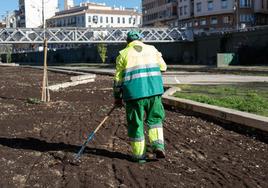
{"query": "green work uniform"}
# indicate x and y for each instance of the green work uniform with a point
(138, 81)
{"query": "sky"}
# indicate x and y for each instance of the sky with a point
(13, 4)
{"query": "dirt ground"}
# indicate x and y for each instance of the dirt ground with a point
(37, 139)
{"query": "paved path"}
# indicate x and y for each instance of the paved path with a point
(195, 78)
(184, 77)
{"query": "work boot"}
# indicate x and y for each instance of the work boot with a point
(159, 153)
(140, 161)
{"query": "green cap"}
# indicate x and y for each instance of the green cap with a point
(133, 35)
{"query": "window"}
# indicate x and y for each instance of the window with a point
(123, 20)
(210, 5)
(246, 18)
(190, 24)
(226, 19)
(181, 13)
(107, 19)
(95, 19)
(112, 19)
(185, 10)
(199, 7)
(196, 23)
(213, 21)
(203, 21)
(118, 19)
(89, 19)
(101, 19)
(245, 3)
(129, 20)
(224, 4)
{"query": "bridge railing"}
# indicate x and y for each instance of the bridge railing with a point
(89, 35)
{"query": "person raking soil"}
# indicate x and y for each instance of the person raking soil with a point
(138, 83)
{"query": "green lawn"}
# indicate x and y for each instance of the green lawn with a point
(252, 98)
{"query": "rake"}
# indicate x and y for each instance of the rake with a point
(91, 135)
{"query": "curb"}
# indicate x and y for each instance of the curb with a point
(221, 113)
(70, 72)
(57, 87)
(9, 64)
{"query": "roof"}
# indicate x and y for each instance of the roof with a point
(97, 11)
(113, 11)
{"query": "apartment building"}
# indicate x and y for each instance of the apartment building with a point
(261, 12)
(205, 14)
(68, 4)
(215, 14)
(2, 24)
(11, 19)
(31, 12)
(158, 12)
(95, 15)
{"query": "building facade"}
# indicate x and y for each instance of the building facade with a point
(205, 14)
(94, 15)
(31, 12)
(261, 12)
(11, 19)
(68, 4)
(158, 12)
(221, 14)
(2, 24)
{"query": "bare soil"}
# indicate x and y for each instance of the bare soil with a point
(37, 139)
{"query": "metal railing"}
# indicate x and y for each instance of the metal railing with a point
(88, 35)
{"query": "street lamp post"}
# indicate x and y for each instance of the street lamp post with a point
(236, 7)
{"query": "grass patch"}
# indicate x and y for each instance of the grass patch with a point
(34, 101)
(252, 98)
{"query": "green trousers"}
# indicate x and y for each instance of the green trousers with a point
(151, 111)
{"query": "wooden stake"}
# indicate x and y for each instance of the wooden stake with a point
(45, 90)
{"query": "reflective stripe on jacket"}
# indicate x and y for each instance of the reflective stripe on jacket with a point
(138, 72)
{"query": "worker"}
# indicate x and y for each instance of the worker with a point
(138, 83)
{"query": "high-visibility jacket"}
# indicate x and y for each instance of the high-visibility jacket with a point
(138, 72)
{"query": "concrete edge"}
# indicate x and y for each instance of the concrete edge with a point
(226, 114)
(83, 77)
(57, 87)
(58, 70)
(9, 65)
(96, 72)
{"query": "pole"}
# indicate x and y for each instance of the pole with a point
(45, 90)
(237, 15)
(43, 15)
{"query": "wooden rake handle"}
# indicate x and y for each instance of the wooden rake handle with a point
(103, 121)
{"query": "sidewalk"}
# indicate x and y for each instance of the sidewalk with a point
(186, 77)
(228, 69)
(191, 68)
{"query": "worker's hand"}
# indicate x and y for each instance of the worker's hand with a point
(118, 103)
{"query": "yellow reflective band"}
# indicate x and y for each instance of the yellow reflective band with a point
(156, 134)
(138, 149)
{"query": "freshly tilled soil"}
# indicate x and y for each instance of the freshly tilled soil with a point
(37, 142)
